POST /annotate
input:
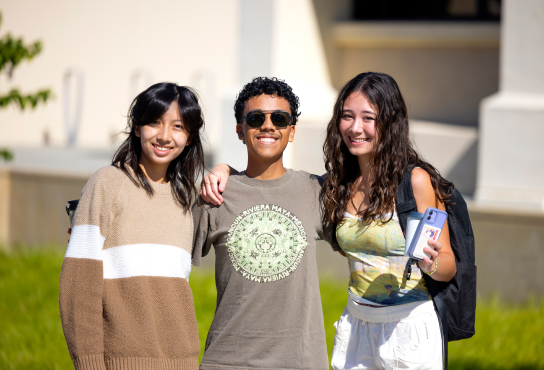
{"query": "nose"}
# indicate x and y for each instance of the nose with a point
(268, 125)
(357, 126)
(164, 133)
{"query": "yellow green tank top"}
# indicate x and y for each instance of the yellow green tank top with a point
(377, 262)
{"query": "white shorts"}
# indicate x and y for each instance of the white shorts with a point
(398, 337)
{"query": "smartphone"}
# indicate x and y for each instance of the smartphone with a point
(429, 227)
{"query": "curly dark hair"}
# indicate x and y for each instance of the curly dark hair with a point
(183, 171)
(268, 86)
(391, 156)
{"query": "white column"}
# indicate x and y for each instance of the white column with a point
(255, 50)
(511, 149)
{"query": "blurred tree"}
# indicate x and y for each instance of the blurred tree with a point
(12, 52)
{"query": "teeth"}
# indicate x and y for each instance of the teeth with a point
(267, 139)
(162, 149)
(358, 140)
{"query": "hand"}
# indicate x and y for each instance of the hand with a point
(214, 183)
(428, 264)
(69, 231)
(342, 253)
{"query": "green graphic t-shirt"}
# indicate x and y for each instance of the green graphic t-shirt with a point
(268, 313)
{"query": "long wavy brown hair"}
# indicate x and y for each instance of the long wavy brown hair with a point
(392, 155)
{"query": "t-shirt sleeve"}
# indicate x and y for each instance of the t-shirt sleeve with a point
(329, 235)
(201, 230)
(81, 278)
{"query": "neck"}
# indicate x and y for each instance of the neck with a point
(265, 170)
(365, 169)
(154, 173)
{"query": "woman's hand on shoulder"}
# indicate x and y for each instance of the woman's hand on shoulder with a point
(441, 249)
(214, 183)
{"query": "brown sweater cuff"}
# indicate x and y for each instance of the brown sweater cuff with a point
(91, 362)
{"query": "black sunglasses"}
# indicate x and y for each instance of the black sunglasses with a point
(280, 119)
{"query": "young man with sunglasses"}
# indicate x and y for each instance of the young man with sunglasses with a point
(268, 313)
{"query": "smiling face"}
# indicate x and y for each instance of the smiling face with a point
(268, 141)
(358, 125)
(162, 141)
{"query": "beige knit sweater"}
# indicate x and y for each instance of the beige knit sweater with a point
(125, 301)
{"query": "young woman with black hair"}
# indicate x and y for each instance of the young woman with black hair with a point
(125, 301)
(389, 322)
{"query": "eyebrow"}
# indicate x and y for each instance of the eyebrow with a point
(365, 111)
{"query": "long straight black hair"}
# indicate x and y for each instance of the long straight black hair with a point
(186, 168)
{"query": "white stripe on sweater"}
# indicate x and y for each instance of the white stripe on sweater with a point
(85, 242)
(146, 260)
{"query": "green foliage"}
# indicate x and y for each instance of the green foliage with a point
(507, 336)
(13, 51)
(24, 101)
(6, 155)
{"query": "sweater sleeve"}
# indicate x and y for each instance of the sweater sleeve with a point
(201, 230)
(81, 278)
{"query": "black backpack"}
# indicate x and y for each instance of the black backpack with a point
(455, 301)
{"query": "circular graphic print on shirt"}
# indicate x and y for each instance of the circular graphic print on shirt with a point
(266, 243)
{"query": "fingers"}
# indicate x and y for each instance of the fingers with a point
(342, 253)
(214, 188)
(209, 189)
(432, 252)
(209, 195)
(436, 244)
(222, 182)
(432, 249)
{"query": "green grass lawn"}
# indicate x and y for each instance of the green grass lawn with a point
(508, 337)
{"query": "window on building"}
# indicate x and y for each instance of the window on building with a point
(427, 10)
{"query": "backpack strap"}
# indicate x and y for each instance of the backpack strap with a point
(404, 200)
(440, 309)
(405, 203)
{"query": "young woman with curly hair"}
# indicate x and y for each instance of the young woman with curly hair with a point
(389, 321)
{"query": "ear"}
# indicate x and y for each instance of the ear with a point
(137, 131)
(292, 134)
(189, 140)
(240, 132)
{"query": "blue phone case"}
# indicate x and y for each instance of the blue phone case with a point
(429, 227)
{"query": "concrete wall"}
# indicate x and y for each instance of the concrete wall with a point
(32, 206)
